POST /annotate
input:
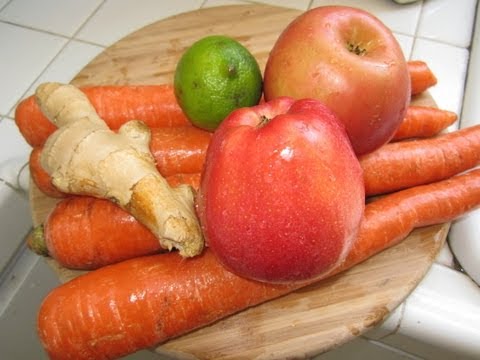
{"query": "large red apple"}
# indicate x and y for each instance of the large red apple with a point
(349, 60)
(282, 191)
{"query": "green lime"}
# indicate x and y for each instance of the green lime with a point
(215, 76)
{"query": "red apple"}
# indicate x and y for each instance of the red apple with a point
(282, 191)
(349, 60)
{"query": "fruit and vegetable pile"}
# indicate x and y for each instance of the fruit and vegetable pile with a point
(195, 200)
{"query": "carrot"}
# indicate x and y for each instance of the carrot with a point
(389, 219)
(86, 233)
(177, 150)
(404, 164)
(153, 104)
(40, 177)
(393, 167)
(421, 76)
(142, 302)
(189, 179)
(423, 122)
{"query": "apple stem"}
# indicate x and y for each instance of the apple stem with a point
(263, 121)
(356, 49)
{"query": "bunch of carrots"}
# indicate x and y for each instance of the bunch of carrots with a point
(422, 173)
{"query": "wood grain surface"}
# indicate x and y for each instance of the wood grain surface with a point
(304, 323)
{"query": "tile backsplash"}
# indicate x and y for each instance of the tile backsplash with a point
(52, 40)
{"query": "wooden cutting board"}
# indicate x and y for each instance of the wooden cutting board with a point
(309, 321)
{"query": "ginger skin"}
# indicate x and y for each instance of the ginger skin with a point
(83, 156)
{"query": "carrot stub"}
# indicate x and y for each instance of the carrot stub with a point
(423, 122)
(142, 302)
(421, 76)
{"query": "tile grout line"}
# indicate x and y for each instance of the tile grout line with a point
(15, 272)
(8, 184)
(12, 109)
(34, 28)
(396, 350)
(50, 32)
(86, 21)
(415, 33)
(5, 5)
(69, 40)
(72, 37)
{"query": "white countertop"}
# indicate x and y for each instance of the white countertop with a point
(54, 39)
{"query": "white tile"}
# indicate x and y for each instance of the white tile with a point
(449, 64)
(14, 152)
(25, 54)
(364, 349)
(23, 179)
(117, 18)
(68, 63)
(441, 321)
(3, 3)
(44, 14)
(463, 238)
(445, 257)
(406, 43)
(471, 105)
(399, 18)
(10, 171)
(15, 221)
(25, 287)
(447, 21)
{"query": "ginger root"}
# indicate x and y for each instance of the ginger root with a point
(83, 156)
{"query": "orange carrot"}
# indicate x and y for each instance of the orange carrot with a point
(139, 303)
(189, 179)
(389, 219)
(40, 177)
(423, 122)
(177, 150)
(155, 105)
(86, 233)
(392, 167)
(404, 164)
(421, 76)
